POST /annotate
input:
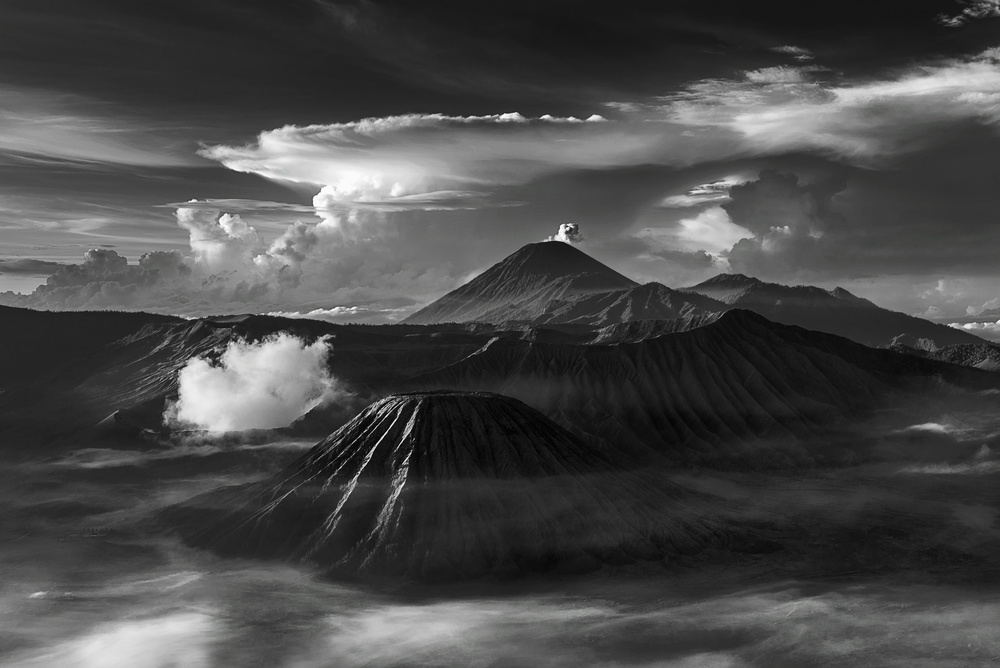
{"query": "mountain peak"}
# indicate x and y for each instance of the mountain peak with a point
(519, 287)
(724, 286)
(729, 279)
(554, 260)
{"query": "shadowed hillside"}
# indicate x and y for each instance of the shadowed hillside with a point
(712, 395)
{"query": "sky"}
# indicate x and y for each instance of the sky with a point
(357, 159)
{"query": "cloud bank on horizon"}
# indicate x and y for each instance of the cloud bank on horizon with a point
(792, 168)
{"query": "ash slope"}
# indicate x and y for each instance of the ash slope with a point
(652, 301)
(832, 311)
(449, 485)
(739, 392)
(521, 286)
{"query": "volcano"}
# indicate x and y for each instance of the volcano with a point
(834, 311)
(449, 485)
(521, 286)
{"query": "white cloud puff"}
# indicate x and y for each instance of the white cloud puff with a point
(567, 233)
(987, 330)
(254, 385)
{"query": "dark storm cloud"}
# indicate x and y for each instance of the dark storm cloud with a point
(322, 60)
(795, 226)
(929, 217)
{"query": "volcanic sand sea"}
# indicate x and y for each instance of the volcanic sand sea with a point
(84, 585)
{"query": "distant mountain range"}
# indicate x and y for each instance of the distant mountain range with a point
(555, 283)
(834, 311)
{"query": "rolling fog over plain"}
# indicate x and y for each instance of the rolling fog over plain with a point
(86, 583)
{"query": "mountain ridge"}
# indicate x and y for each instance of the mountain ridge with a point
(650, 301)
(836, 311)
(712, 396)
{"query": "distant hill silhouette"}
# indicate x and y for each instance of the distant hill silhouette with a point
(834, 311)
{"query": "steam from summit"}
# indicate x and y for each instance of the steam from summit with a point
(568, 233)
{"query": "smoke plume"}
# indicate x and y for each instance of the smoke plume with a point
(254, 385)
(568, 233)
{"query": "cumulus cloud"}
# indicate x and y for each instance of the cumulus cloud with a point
(987, 330)
(219, 242)
(773, 226)
(991, 306)
(254, 385)
(355, 258)
(794, 227)
(712, 230)
(104, 279)
(568, 233)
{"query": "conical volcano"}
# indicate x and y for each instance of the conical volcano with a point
(449, 485)
(519, 287)
(437, 436)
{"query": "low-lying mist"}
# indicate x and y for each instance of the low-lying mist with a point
(887, 563)
(254, 385)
